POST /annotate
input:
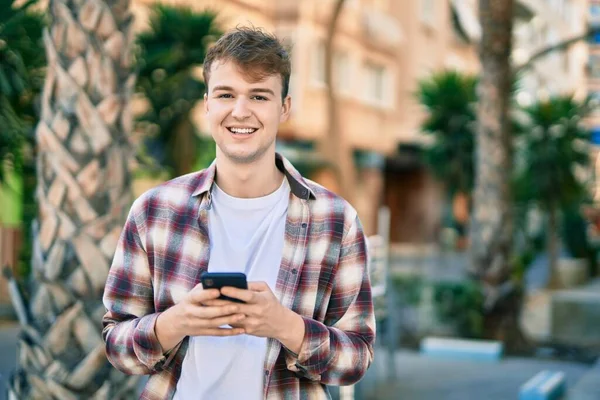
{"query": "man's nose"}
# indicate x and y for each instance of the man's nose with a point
(241, 109)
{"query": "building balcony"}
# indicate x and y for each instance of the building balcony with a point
(369, 25)
(381, 29)
(465, 20)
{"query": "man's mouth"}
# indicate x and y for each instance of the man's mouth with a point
(242, 131)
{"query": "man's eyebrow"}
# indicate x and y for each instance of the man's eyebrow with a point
(255, 90)
(222, 87)
(262, 90)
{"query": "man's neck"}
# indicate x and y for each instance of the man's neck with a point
(248, 180)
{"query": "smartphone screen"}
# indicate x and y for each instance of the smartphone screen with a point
(218, 280)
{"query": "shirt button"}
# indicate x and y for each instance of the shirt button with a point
(304, 225)
(266, 372)
(294, 271)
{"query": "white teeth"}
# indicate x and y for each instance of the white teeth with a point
(242, 130)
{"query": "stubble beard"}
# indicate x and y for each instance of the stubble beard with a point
(245, 159)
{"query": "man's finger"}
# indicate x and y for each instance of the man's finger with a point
(227, 320)
(220, 332)
(258, 286)
(199, 296)
(241, 294)
(216, 312)
(218, 303)
(249, 310)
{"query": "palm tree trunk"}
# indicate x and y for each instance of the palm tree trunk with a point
(491, 229)
(491, 233)
(83, 197)
(334, 145)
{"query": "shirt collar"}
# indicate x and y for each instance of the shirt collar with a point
(298, 185)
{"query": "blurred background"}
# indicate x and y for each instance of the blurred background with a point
(465, 132)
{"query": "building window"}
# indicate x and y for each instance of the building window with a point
(427, 12)
(341, 75)
(376, 83)
(341, 68)
(318, 63)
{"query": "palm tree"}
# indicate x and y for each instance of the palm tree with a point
(553, 150)
(491, 225)
(449, 98)
(83, 193)
(171, 52)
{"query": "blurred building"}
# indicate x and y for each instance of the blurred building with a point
(382, 49)
(593, 86)
(545, 23)
(593, 71)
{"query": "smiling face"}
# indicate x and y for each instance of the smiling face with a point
(243, 115)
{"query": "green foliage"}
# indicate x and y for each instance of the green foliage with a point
(208, 153)
(11, 192)
(457, 303)
(170, 55)
(22, 68)
(449, 99)
(460, 303)
(12, 137)
(575, 237)
(21, 78)
(409, 287)
(574, 233)
(556, 144)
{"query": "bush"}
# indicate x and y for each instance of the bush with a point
(461, 305)
(457, 304)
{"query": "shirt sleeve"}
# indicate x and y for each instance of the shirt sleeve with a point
(339, 350)
(128, 325)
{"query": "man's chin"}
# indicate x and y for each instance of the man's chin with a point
(243, 158)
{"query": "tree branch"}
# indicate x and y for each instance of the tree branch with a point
(561, 46)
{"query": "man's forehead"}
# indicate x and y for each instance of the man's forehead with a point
(228, 72)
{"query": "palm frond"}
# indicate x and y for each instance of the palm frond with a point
(449, 98)
(168, 55)
(21, 64)
(554, 145)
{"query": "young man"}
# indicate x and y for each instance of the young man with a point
(307, 319)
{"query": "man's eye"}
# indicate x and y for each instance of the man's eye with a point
(224, 96)
(259, 98)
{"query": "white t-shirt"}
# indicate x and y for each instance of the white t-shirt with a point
(246, 235)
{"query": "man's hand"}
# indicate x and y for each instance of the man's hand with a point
(265, 316)
(192, 317)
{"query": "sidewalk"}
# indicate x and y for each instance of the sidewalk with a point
(425, 378)
(418, 377)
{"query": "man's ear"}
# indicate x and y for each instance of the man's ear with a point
(205, 103)
(285, 109)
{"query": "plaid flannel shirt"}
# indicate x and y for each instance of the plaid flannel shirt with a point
(164, 248)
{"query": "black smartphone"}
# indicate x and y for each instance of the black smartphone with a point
(217, 280)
